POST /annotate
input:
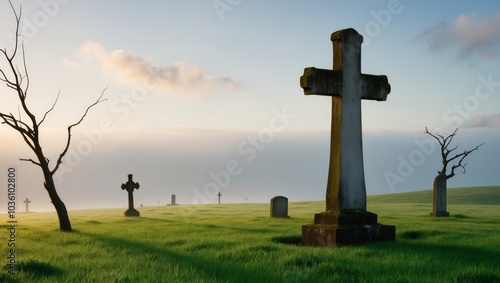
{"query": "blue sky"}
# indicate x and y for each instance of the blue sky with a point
(194, 85)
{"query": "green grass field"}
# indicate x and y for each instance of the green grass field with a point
(240, 243)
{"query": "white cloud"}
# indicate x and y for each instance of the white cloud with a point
(469, 36)
(131, 69)
(483, 121)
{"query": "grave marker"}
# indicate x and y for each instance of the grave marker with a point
(345, 220)
(439, 197)
(172, 200)
(279, 207)
(130, 186)
(27, 201)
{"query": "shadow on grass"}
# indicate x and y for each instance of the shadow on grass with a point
(157, 220)
(475, 276)
(418, 234)
(460, 216)
(247, 230)
(288, 240)
(38, 269)
(458, 263)
(210, 269)
(7, 278)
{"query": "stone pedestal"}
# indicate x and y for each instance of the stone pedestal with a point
(132, 212)
(439, 214)
(347, 228)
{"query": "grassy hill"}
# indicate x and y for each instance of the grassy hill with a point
(240, 243)
(469, 195)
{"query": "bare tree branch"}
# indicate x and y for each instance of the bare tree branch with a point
(48, 111)
(18, 21)
(445, 142)
(63, 153)
(26, 74)
(448, 139)
(19, 126)
(459, 164)
(31, 160)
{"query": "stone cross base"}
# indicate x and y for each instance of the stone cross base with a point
(439, 214)
(335, 230)
(132, 213)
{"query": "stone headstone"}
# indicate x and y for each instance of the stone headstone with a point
(219, 195)
(345, 220)
(130, 186)
(439, 197)
(172, 200)
(279, 207)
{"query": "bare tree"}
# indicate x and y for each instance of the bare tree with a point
(456, 160)
(27, 124)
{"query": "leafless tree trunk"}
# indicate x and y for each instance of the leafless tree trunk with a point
(456, 161)
(19, 81)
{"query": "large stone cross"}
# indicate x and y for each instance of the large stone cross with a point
(347, 86)
(345, 221)
(130, 186)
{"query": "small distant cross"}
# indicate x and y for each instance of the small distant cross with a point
(219, 195)
(27, 201)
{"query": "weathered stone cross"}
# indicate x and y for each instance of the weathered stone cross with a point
(345, 220)
(27, 201)
(347, 86)
(219, 195)
(130, 186)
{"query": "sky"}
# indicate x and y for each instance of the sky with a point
(204, 96)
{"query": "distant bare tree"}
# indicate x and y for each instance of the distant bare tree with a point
(456, 161)
(445, 142)
(18, 80)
